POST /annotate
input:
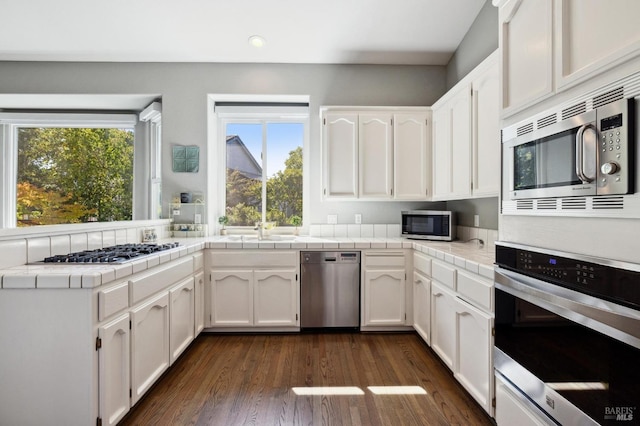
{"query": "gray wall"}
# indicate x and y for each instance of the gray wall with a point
(184, 88)
(479, 42)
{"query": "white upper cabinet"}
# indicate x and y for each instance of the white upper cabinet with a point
(340, 141)
(593, 36)
(460, 106)
(376, 153)
(526, 42)
(549, 46)
(486, 131)
(466, 136)
(411, 153)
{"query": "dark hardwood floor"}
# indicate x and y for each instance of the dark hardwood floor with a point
(249, 380)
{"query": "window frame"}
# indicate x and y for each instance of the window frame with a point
(9, 124)
(254, 113)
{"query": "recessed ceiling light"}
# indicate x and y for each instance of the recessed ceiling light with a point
(257, 41)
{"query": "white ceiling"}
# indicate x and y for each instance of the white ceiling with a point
(421, 32)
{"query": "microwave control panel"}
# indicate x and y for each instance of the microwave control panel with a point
(616, 148)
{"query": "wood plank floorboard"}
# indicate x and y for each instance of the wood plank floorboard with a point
(249, 380)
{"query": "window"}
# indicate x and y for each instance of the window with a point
(263, 164)
(67, 168)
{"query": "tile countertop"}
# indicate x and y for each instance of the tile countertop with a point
(466, 255)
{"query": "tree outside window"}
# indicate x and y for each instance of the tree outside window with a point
(264, 172)
(74, 175)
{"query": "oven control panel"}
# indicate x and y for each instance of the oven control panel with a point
(589, 277)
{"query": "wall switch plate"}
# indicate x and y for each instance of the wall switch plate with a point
(358, 218)
(332, 219)
(197, 218)
(476, 220)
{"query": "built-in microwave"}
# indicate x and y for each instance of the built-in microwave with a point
(429, 225)
(591, 153)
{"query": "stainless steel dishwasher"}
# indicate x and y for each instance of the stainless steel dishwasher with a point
(329, 289)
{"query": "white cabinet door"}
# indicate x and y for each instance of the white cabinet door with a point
(460, 165)
(422, 306)
(526, 43)
(443, 323)
(199, 303)
(375, 156)
(182, 317)
(442, 152)
(149, 344)
(340, 141)
(411, 157)
(486, 132)
(275, 298)
(384, 297)
(114, 377)
(232, 298)
(581, 51)
(474, 363)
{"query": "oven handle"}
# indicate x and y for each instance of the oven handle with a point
(586, 148)
(614, 320)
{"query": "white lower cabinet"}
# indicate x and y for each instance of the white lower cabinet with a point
(232, 298)
(383, 289)
(261, 298)
(149, 344)
(422, 306)
(473, 366)
(275, 298)
(384, 297)
(251, 289)
(443, 323)
(459, 328)
(199, 296)
(114, 369)
(182, 317)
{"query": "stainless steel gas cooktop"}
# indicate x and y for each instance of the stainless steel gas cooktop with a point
(115, 254)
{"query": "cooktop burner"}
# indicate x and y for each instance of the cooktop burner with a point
(114, 254)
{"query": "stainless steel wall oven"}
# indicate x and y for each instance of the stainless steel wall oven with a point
(567, 334)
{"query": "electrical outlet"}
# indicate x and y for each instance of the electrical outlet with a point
(358, 218)
(332, 219)
(476, 220)
(197, 218)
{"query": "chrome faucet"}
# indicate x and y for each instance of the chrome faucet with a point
(259, 228)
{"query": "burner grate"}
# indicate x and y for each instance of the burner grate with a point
(114, 254)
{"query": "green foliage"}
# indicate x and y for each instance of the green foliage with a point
(85, 174)
(284, 194)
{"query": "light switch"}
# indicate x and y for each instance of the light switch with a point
(332, 219)
(358, 218)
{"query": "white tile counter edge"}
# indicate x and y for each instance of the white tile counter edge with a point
(465, 255)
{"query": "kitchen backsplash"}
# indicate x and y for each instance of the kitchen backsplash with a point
(465, 233)
(21, 251)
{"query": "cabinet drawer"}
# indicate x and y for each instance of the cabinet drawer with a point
(198, 261)
(252, 259)
(384, 259)
(477, 291)
(113, 300)
(444, 274)
(422, 263)
(159, 278)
